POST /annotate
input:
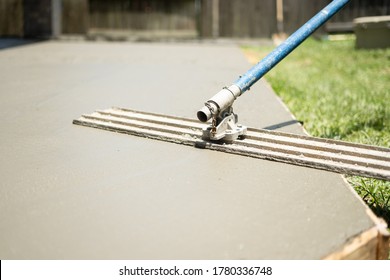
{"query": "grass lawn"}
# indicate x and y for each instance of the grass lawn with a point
(341, 93)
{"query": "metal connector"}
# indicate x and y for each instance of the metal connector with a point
(219, 103)
(224, 124)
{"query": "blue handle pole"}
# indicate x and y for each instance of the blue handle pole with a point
(266, 64)
(225, 98)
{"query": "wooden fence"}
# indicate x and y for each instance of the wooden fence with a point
(208, 18)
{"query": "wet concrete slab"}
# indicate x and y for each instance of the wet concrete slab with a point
(71, 192)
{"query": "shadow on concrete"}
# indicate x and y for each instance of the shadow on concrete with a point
(6, 43)
(282, 124)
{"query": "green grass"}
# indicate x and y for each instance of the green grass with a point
(341, 93)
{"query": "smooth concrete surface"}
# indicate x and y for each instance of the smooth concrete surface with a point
(72, 192)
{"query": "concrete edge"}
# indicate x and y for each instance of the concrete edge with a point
(372, 244)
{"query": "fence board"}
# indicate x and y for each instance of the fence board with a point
(247, 18)
(75, 16)
(206, 18)
(11, 18)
